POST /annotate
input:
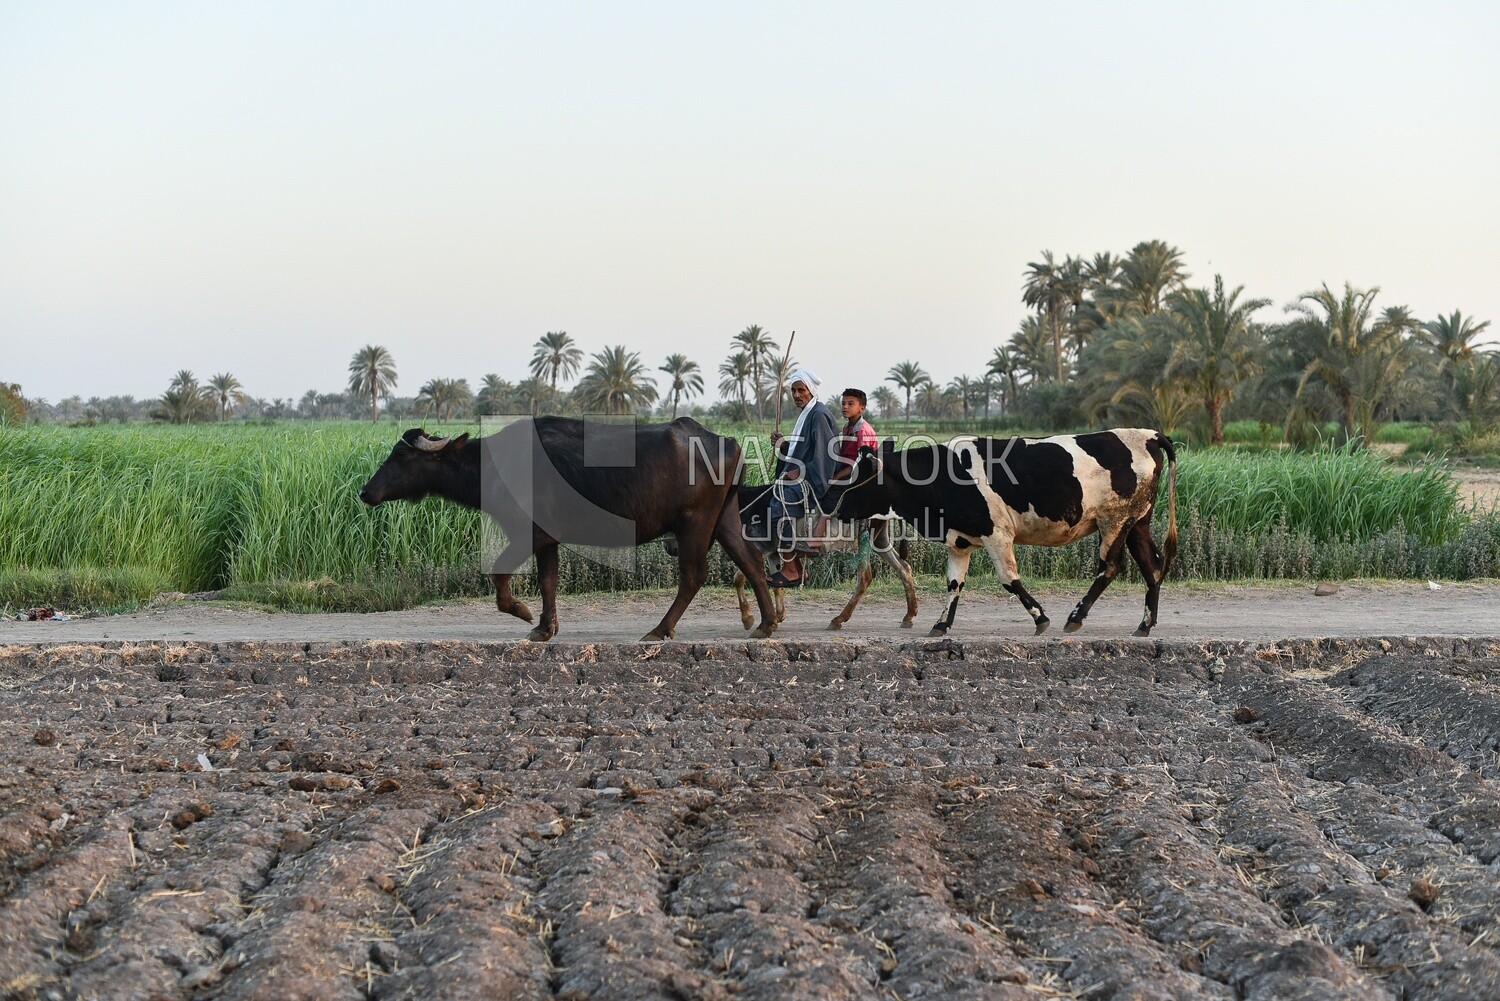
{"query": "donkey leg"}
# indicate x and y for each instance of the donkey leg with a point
(866, 574)
(746, 619)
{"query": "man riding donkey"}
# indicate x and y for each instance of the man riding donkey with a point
(809, 460)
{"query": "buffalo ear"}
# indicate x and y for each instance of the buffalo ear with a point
(458, 442)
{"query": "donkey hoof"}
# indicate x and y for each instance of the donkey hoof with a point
(1073, 626)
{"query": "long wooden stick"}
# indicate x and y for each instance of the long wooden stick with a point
(781, 378)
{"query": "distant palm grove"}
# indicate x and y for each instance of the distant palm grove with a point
(1109, 340)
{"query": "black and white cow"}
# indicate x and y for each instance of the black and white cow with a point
(996, 492)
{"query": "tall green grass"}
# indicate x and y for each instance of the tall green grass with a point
(98, 517)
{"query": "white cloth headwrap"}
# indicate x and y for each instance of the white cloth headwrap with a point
(807, 378)
(812, 382)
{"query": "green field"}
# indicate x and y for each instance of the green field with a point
(110, 516)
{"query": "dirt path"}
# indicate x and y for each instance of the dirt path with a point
(1197, 613)
(1479, 487)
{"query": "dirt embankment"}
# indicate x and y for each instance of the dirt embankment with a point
(766, 820)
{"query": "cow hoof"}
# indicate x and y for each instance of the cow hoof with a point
(1041, 626)
(835, 625)
(761, 633)
(539, 635)
(906, 623)
(1142, 631)
(520, 611)
(655, 637)
(938, 631)
(1073, 626)
(746, 621)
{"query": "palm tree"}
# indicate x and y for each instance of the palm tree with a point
(886, 399)
(1452, 338)
(494, 396)
(555, 355)
(965, 391)
(1047, 289)
(616, 382)
(178, 406)
(736, 371)
(777, 378)
(1003, 365)
(533, 395)
(446, 396)
(1149, 273)
(908, 376)
(1358, 361)
(935, 402)
(184, 401)
(686, 380)
(1162, 405)
(226, 389)
(1217, 348)
(372, 374)
(1476, 390)
(759, 346)
(1030, 350)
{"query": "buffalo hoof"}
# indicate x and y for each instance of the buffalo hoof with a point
(835, 625)
(1142, 631)
(1041, 626)
(1073, 626)
(540, 635)
(938, 630)
(761, 632)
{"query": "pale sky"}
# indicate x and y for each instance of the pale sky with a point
(262, 188)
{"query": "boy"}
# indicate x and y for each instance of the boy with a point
(857, 432)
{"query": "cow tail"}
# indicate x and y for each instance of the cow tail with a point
(903, 546)
(1169, 544)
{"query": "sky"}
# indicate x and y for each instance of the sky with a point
(264, 188)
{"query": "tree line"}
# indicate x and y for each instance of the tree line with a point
(1108, 340)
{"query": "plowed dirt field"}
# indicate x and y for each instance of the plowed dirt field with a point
(820, 820)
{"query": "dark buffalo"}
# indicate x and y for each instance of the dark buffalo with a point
(552, 480)
(996, 492)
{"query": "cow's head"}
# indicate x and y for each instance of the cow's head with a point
(863, 494)
(419, 465)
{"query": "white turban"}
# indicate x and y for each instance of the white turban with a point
(807, 378)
